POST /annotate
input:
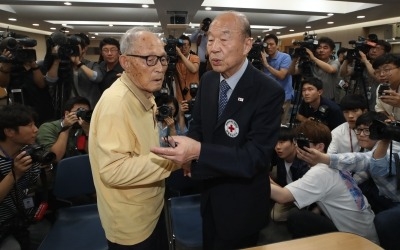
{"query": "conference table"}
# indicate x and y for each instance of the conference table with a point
(329, 241)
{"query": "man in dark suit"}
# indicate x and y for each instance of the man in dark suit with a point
(231, 152)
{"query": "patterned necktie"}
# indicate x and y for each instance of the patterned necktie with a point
(223, 97)
(353, 189)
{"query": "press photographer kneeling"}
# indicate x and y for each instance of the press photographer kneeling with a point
(21, 170)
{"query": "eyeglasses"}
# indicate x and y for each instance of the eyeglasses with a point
(384, 71)
(152, 59)
(112, 51)
(168, 140)
(364, 130)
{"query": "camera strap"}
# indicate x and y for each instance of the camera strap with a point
(397, 164)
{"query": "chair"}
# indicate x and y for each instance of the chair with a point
(76, 227)
(184, 223)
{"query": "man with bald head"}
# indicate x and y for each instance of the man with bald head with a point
(236, 119)
(129, 179)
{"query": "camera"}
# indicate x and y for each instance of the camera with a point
(310, 42)
(361, 44)
(302, 141)
(193, 92)
(206, 24)
(86, 115)
(254, 54)
(17, 46)
(64, 47)
(382, 87)
(170, 49)
(164, 111)
(39, 154)
(381, 130)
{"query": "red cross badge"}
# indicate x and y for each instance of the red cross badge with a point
(231, 128)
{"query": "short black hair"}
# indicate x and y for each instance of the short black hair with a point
(353, 101)
(271, 36)
(341, 50)
(368, 117)
(328, 41)
(386, 59)
(183, 37)
(313, 81)
(387, 47)
(108, 40)
(75, 100)
(286, 134)
(15, 115)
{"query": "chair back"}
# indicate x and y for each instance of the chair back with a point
(73, 177)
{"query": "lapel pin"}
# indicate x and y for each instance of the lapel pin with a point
(240, 99)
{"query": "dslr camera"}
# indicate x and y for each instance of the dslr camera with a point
(382, 87)
(164, 111)
(193, 92)
(86, 115)
(16, 46)
(380, 130)
(302, 141)
(39, 154)
(170, 49)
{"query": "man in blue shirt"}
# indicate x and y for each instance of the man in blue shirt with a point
(276, 65)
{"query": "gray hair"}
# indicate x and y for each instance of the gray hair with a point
(130, 37)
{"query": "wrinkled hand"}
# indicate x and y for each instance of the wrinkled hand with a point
(22, 162)
(391, 97)
(186, 150)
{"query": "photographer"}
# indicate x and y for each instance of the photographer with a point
(388, 101)
(68, 137)
(81, 76)
(109, 62)
(19, 177)
(323, 66)
(315, 106)
(170, 117)
(22, 77)
(200, 38)
(358, 67)
(187, 69)
(276, 65)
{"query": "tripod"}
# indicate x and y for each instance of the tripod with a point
(359, 82)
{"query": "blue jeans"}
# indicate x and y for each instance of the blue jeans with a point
(387, 224)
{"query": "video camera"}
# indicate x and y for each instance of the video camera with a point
(254, 55)
(193, 92)
(380, 130)
(18, 48)
(63, 47)
(310, 42)
(361, 44)
(170, 48)
(206, 24)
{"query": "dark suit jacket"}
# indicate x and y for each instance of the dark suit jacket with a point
(298, 169)
(235, 169)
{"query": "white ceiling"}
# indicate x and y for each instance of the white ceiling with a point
(265, 16)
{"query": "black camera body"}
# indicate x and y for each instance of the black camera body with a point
(65, 46)
(206, 24)
(164, 111)
(254, 55)
(382, 87)
(16, 47)
(193, 92)
(39, 154)
(170, 49)
(302, 141)
(86, 115)
(380, 130)
(310, 42)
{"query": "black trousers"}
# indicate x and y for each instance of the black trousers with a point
(156, 241)
(304, 223)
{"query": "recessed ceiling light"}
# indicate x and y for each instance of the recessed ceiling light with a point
(330, 22)
(66, 31)
(110, 25)
(207, 8)
(93, 37)
(96, 34)
(145, 6)
(330, 14)
(360, 16)
(64, 24)
(291, 30)
(12, 19)
(278, 32)
(67, 3)
(35, 24)
(155, 26)
(52, 28)
(308, 27)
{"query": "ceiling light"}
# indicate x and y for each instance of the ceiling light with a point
(35, 24)
(207, 8)
(308, 27)
(52, 28)
(330, 14)
(360, 16)
(155, 26)
(330, 22)
(110, 25)
(278, 33)
(93, 37)
(12, 19)
(67, 3)
(96, 34)
(145, 6)
(291, 30)
(66, 31)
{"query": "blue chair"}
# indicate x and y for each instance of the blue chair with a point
(76, 227)
(184, 223)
